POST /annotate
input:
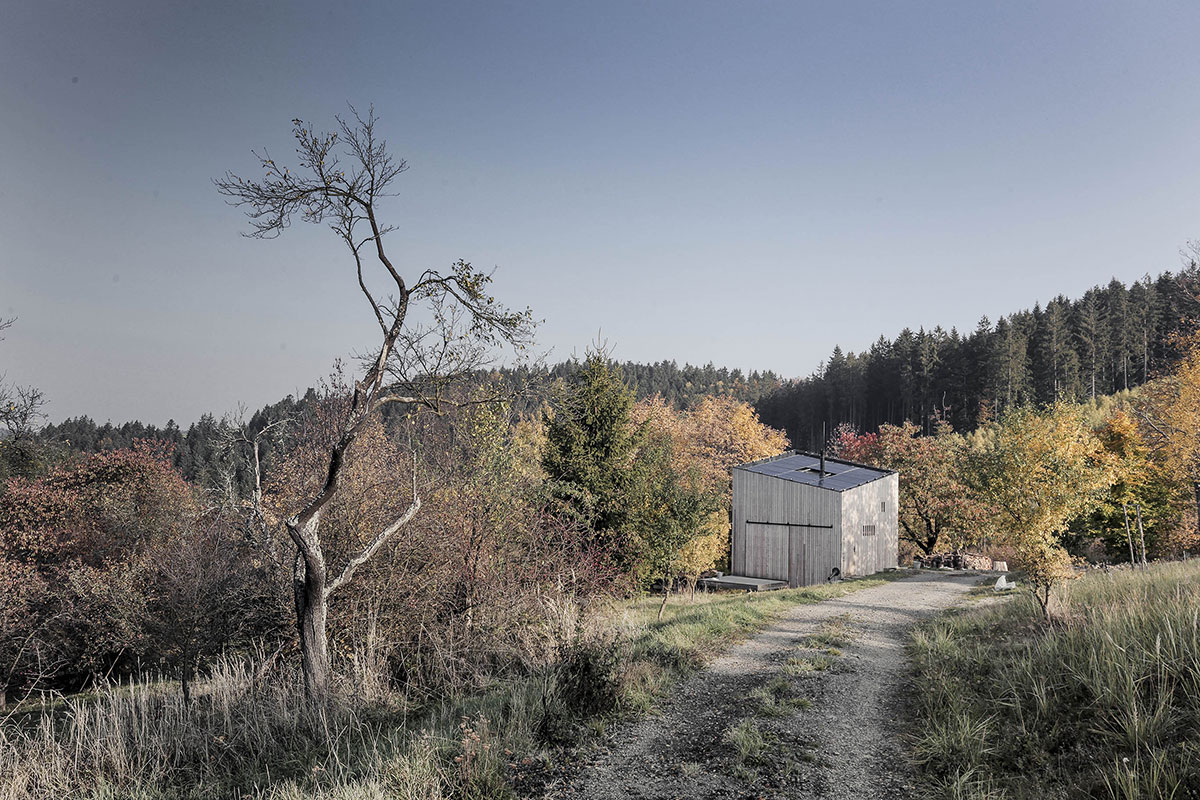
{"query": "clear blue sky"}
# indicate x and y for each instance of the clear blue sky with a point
(744, 183)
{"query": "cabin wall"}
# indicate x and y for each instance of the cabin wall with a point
(891, 553)
(774, 529)
(872, 504)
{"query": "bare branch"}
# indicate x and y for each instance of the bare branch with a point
(21, 410)
(367, 292)
(379, 541)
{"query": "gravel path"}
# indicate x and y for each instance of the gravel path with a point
(821, 688)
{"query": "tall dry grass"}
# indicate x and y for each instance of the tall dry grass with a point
(252, 735)
(1103, 703)
(143, 740)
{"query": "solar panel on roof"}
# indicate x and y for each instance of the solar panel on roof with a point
(841, 483)
(804, 468)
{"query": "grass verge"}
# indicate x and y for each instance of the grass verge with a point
(1103, 703)
(663, 653)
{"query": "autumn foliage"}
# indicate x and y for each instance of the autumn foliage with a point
(705, 442)
(74, 558)
(938, 511)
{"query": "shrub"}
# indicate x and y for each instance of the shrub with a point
(585, 681)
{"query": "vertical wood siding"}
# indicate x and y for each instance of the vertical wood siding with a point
(767, 551)
(769, 534)
(864, 554)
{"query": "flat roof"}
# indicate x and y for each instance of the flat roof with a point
(839, 475)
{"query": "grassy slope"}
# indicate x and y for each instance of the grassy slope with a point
(248, 740)
(1104, 703)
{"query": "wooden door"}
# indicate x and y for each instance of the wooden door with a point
(767, 548)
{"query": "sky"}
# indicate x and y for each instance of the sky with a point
(748, 184)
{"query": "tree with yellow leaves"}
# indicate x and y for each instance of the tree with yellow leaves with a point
(704, 444)
(1136, 485)
(1170, 417)
(1040, 469)
(724, 433)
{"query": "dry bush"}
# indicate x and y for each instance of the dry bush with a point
(1180, 541)
(74, 558)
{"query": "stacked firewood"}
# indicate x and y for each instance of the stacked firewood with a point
(955, 560)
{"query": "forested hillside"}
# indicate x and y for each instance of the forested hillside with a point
(200, 453)
(1113, 338)
(684, 386)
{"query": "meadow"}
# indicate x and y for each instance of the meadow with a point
(1104, 701)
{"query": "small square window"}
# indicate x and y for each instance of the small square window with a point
(868, 530)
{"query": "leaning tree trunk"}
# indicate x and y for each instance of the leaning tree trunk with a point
(308, 584)
(1196, 489)
(1042, 593)
(312, 586)
(667, 581)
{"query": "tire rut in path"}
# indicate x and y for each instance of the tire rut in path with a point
(845, 746)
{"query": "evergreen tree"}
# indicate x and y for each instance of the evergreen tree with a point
(1119, 334)
(1142, 304)
(1090, 334)
(591, 442)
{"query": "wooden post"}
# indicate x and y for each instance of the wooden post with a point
(1128, 534)
(1141, 533)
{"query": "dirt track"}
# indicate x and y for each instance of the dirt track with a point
(844, 745)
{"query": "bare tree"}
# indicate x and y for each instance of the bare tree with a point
(242, 449)
(20, 406)
(340, 180)
(21, 416)
(199, 595)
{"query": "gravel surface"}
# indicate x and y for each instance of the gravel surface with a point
(822, 687)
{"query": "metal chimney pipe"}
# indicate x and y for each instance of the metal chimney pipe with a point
(824, 442)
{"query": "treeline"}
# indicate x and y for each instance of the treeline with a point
(201, 453)
(684, 387)
(1115, 337)
(1047, 487)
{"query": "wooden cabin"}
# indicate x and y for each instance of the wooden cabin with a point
(799, 516)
